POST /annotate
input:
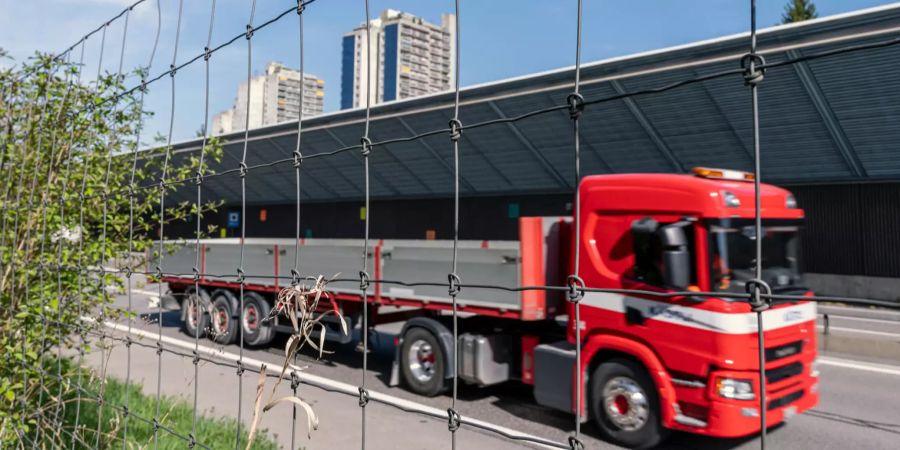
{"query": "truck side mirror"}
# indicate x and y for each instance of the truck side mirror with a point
(676, 257)
(677, 268)
(644, 226)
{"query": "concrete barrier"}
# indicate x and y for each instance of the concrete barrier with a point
(878, 288)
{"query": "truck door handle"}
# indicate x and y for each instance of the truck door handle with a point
(634, 316)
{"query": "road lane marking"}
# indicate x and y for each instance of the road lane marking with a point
(857, 330)
(329, 384)
(868, 367)
(145, 292)
(152, 301)
(862, 319)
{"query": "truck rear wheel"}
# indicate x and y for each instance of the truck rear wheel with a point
(625, 405)
(422, 362)
(194, 313)
(256, 308)
(223, 324)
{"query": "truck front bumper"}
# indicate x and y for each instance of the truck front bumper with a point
(732, 418)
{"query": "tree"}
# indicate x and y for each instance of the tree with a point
(75, 194)
(798, 11)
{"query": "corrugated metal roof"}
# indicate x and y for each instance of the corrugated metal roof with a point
(828, 120)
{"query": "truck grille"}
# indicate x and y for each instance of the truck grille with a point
(784, 372)
(783, 351)
(786, 400)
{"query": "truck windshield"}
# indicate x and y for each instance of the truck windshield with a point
(733, 254)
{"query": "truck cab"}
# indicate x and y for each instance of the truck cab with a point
(655, 363)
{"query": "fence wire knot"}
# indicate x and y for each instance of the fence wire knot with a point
(453, 420)
(295, 277)
(172, 70)
(754, 288)
(300, 7)
(575, 443)
(363, 280)
(192, 442)
(128, 341)
(159, 348)
(127, 271)
(196, 274)
(240, 275)
(363, 397)
(576, 105)
(295, 380)
(298, 159)
(249, 33)
(576, 288)
(156, 424)
(198, 178)
(159, 272)
(196, 358)
(455, 129)
(243, 169)
(454, 284)
(206, 54)
(366, 145)
(754, 68)
(125, 411)
(240, 368)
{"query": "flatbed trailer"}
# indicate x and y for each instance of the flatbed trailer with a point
(405, 273)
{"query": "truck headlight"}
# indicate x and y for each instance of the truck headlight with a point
(735, 389)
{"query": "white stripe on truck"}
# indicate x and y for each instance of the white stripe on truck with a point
(719, 322)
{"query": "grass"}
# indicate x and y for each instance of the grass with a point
(175, 414)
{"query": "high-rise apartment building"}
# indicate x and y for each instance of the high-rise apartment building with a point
(274, 98)
(415, 58)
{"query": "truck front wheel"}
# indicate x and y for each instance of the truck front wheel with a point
(422, 362)
(625, 406)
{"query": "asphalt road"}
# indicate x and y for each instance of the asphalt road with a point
(859, 407)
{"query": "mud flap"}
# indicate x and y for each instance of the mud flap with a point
(168, 302)
(395, 366)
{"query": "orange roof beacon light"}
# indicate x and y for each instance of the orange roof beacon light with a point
(722, 174)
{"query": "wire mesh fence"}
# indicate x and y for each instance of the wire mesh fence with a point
(56, 241)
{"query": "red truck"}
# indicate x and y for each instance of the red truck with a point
(649, 364)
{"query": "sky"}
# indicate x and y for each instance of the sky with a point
(500, 38)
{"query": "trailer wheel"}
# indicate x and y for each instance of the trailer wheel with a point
(195, 313)
(625, 405)
(256, 308)
(223, 321)
(422, 362)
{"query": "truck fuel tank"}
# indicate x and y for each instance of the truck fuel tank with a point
(485, 360)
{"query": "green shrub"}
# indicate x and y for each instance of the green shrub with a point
(175, 414)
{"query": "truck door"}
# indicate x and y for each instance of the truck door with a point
(640, 252)
(665, 260)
